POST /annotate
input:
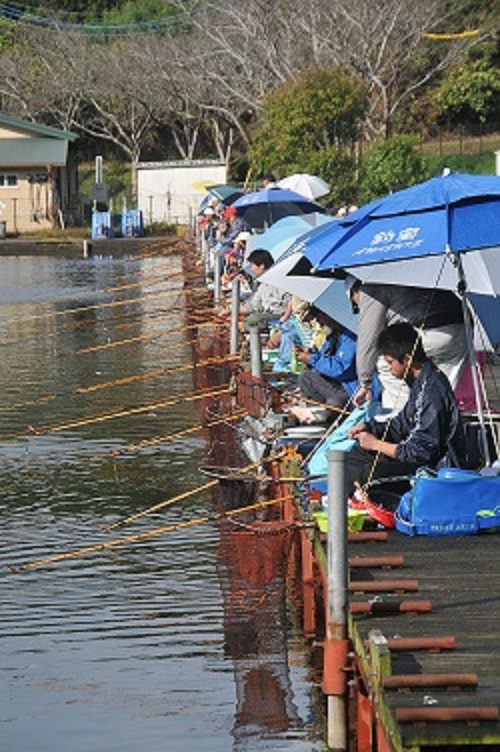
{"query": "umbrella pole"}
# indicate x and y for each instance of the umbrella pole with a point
(469, 334)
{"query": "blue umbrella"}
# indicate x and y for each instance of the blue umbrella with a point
(326, 294)
(226, 194)
(265, 207)
(443, 233)
(453, 221)
(283, 233)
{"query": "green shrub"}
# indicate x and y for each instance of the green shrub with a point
(391, 164)
(161, 228)
(483, 164)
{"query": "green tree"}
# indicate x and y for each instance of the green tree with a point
(471, 90)
(391, 164)
(311, 125)
(131, 11)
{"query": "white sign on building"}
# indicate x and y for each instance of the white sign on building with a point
(171, 191)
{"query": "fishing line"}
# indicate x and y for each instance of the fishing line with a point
(146, 535)
(157, 374)
(146, 337)
(39, 431)
(192, 492)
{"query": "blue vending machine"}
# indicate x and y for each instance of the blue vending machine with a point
(102, 225)
(132, 223)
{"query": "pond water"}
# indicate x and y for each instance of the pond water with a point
(136, 647)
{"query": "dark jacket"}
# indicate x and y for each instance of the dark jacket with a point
(428, 429)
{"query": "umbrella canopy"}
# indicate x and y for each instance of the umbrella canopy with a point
(226, 194)
(281, 235)
(265, 207)
(442, 233)
(325, 293)
(310, 186)
(439, 219)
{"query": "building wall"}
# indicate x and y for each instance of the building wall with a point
(171, 191)
(35, 184)
(29, 205)
(12, 133)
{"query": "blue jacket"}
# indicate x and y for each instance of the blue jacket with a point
(338, 363)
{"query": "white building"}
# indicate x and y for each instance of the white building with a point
(172, 191)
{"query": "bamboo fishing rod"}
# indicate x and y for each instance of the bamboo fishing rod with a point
(126, 380)
(81, 309)
(120, 413)
(147, 337)
(214, 361)
(80, 390)
(138, 377)
(130, 449)
(136, 410)
(109, 322)
(105, 325)
(146, 535)
(186, 494)
(155, 440)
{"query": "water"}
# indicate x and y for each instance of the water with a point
(147, 646)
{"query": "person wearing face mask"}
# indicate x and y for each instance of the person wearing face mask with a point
(329, 375)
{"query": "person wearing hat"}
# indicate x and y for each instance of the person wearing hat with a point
(236, 224)
(329, 375)
(233, 258)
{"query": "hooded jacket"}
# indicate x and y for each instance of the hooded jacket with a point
(428, 429)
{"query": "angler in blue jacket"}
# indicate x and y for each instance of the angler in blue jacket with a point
(329, 375)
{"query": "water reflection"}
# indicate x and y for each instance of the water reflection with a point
(142, 646)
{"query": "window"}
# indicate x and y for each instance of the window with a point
(8, 181)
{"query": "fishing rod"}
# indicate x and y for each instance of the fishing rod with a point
(155, 440)
(154, 315)
(120, 413)
(118, 382)
(187, 494)
(147, 337)
(157, 373)
(81, 309)
(138, 377)
(146, 535)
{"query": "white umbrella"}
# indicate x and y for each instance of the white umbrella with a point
(311, 186)
(325, 293)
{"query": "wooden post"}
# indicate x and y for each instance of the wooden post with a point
(336, 644)
(14, 214)
(235, 315)
(255, 352)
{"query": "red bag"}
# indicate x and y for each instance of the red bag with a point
(361, 500)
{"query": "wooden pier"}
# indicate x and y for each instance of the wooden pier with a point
(424, 671)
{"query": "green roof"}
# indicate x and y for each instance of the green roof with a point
(36, 128)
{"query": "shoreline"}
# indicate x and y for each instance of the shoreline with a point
(75, 247)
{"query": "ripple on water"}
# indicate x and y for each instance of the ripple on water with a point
(138, 646)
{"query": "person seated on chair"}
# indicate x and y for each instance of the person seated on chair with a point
(428, 430)
(329, 375)
(267, 303)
